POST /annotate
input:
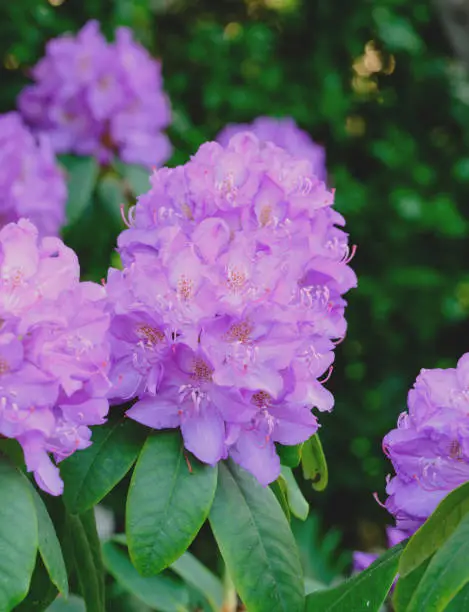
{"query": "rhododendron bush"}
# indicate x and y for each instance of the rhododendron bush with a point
(167, 338)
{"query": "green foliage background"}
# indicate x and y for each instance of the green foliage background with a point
(397, 151)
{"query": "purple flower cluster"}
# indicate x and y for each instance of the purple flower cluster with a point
(31, 183)
(54, 352)
(285, 134)
(362, 560)
(226, 311)
(429, 449)
(98, 98)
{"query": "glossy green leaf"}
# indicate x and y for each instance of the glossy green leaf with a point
(405, 587)
(279, 489)
(88, 562)
(364, 592)
(290, 455)
(446, 574)
(169, 499)
(256, 543)
(298, 505)
(314, 463)
(436, 529)
(163, 592)
(136, 178)
(90, 474)
(42, 591)
(194, 573)
(72, 604)
(82, 173)
(18, 536)
(49, 545)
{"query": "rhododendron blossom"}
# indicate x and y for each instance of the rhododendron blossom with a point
(98, 98)
(54, 352)
(284, 133)
(429, 449)
(229, 303)
(31, 182)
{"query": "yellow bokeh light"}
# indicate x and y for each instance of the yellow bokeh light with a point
(355, 125)
(11, 62)
(232, 30)
(56, 2)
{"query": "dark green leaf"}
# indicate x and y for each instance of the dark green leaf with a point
(82, 173)
(168, 502)
(256, 543)
(111, 194)
(314, 463)
(279, 488)
(364, 592)
(42, 591)
(136, 177)
(446, 574)
(49, 545)
(461, 602)
(88, 561)
(405, 587)
(72, 604)
(90, 474)
(198, 576)
(436, 529)
(290, 455)
(163, 593)
(18, 536)
(296, 501)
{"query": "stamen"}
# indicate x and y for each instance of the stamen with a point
(328, 375)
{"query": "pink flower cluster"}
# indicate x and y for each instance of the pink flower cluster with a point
(285, 134)
(226, 313)
(429, 449)
(98, 98)
(54, 351)
(31, 182)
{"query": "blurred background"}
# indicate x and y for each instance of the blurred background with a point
(378, 84)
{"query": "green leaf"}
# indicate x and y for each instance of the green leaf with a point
(279, 488)
(296, 501)
(436, 529)
(256, 543)
(460, 602)
(194, 573)
(163, 593)
(167, 504)
(405, 587)
(42, 591)
(18, 536)
(290, 455)
(446, 574)
(72, 604)
(82, 173)
(49, 545)
(136, 177)
(314, 463)
(88, 562)
(111, 194)
(364, 592)
(90, 474)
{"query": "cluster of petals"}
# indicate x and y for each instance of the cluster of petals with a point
(54, 352)
(98, 98)
(229, 303)
(31, 183)
(429, 449)
(285, 133)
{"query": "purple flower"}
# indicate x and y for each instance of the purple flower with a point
(429, 449)
(54, 351)
(285, 134)
(31, 182)
(98, 98)
(225, 314)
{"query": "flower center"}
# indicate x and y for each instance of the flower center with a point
(185, 288)
(261, 399)
(201, 371)
(236, 279)
(151, 334)
(239, 332)
(4, 366)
